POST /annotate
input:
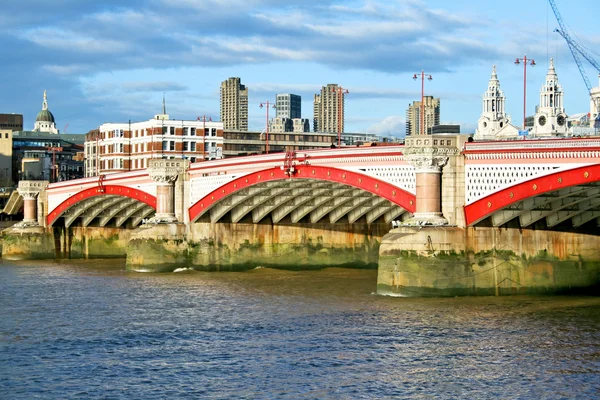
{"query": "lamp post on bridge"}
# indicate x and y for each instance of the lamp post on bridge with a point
(204, 135)
(429, 78)
(267, 104)
(518, 61)
(340, 98)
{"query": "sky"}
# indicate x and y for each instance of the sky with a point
(112, 60)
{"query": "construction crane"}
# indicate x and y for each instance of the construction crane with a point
(577, 51)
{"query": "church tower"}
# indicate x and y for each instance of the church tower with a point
(550, 117)
(44, 122)
(494, 122)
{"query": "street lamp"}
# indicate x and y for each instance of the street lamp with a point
(340, 97)
(532, 63)
(267, 104)
(429, 77)
(204, 135)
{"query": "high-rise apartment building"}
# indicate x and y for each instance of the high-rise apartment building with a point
(329, 110)
(288, 106)
(234, 104)
(316, 112)
(431, 116)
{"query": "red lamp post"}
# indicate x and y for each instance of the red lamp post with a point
(267, 104)
(204, 135)
(340, 94)
(429, 77)
(532, 63)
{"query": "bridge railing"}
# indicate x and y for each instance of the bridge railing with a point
(524, 145)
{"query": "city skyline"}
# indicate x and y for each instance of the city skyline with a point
(95, 73)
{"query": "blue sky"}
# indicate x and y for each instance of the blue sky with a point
(111, 61)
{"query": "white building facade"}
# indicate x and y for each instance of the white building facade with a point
(550, 117)
(494, 123)
(120, 147)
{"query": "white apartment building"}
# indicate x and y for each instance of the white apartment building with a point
(127, 146)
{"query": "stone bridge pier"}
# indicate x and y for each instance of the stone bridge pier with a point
(29, 239)
(161, 243)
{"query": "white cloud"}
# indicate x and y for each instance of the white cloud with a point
(393, 125)
(59, 39)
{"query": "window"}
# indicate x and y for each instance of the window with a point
(165, 145)
(186, 146)
(172, 130)
(172, 145)
(193, 146)
(193, 131)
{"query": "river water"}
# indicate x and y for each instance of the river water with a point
(89, 329)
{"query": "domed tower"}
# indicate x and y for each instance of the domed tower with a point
(550, 117)
(44, 122)
(494, 122)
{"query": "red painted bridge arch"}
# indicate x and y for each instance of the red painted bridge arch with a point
(115, 190)
(395, 195)
(483, 208)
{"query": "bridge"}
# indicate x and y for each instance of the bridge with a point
(521, 183)
(436, 194)
(352, 183)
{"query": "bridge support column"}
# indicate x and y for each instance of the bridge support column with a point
(165, 173)
(428, 154)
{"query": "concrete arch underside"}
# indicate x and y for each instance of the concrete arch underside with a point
(314, 194)
(114, 206)
(569, 197)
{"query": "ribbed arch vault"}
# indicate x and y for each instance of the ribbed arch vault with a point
(312, 194)
(112, 205)
(571, 196)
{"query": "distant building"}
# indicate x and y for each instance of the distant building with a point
(234, 104)
(431, 115)
(443, 129)
(47, 156)
(288, 106)
(300, 125)
(578, 120)
(353, 139)
(494, 123)
(13, 122)
(241, 143)
(44, 122)
(550, 118)
(316, 112)
(329, 110)
(278, 125)
(119, 147)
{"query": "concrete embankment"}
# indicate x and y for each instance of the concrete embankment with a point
(447, 261)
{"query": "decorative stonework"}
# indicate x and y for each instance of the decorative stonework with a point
(430, 154)
(30, 190)
(165, 172)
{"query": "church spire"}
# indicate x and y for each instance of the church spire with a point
(494, 77)
(45, 102)
(551, 70)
